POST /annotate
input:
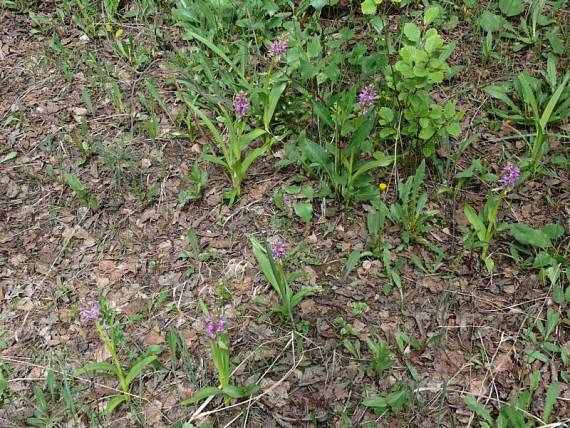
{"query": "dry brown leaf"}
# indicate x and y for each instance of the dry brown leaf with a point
(307, 307)
(153, 414)
(447, 364)
(278, 396)
(432, 284)
(153, 338)
(312, 375)
(503, 362)
(102, 354)
(78, 113)
(220, 243)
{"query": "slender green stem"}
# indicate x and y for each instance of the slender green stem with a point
(237, 152)
(491, 226)
(221, 359)
(110, 345)
(285, 290)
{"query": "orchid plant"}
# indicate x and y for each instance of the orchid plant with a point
(485, 223)
(348, 156)
(109, 332)
(233, 141)
(219, 343)
(270, 259)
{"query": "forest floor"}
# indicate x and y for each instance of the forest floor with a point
(453, 329)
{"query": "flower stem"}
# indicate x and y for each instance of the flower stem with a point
(110, 345)
(491, 226)
(285, 290)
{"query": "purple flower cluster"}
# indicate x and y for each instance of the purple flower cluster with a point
(241, 104)
(279, 48)
(366, 97)
(278, 250)
(89, 311)
(510, 175)
(214, 326)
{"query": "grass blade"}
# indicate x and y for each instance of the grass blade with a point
(222, 55)
(545, 118)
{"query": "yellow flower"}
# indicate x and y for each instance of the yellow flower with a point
(382, 186)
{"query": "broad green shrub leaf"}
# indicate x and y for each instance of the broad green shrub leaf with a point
(431, 14)
(319, 4)
(454, 129)
(433, 43)
(490, 22)
(386, 115)
(553, 231)
(314, 48)
(304, 210)
(511, 7)
(526, 235)
(369, 7)
(373, 63)
(412, 32)
(427, 133)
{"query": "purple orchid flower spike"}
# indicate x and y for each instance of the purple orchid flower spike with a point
(278, 250)
(241, 104)
(510, 176)
(366, 97)
(279, 48)
(214, 326)
(89, 311)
